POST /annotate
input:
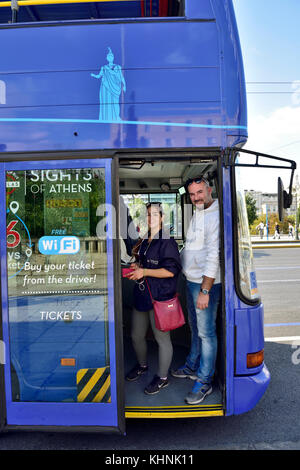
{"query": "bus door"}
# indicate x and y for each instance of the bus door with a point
(57, 293)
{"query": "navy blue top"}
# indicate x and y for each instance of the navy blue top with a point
(159, 253)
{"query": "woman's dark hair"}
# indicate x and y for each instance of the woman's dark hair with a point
(155, 204)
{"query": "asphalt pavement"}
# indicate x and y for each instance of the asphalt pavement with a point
(273, 424)
(278, 277)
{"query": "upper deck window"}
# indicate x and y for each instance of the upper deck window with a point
(58, 10)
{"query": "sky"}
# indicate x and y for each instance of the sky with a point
(269, 33)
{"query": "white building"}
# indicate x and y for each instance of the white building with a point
(264, 201)
(268, 201)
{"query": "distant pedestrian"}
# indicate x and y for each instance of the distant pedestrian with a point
(277, 231)
(260, 227)
(291, 231)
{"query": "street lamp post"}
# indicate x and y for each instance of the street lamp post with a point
(267, 224)
(297, 221)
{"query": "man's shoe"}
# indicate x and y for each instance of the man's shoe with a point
(156, 385)
(136, 372)
(199, 392)
(184, 372)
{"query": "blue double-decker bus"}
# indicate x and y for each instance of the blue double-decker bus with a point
(105, 106)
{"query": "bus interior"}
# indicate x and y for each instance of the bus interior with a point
(162, 180)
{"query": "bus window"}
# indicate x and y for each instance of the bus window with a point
(171, 208)
(246, 277)
(101, 9)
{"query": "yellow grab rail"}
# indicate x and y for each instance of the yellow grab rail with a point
(53, 2)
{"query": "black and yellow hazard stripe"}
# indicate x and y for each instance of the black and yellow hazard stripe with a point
(185, 411)
(93, 385)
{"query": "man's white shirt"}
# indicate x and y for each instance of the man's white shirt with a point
(201, 254)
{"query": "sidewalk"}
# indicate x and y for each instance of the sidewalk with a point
(284, 242)
(283, 237)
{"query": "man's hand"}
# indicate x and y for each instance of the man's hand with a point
(202, 301)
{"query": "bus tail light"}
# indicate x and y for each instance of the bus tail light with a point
(68, 361)
(255, 359)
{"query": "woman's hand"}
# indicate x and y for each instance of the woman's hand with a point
(137, 274)
(134, 266)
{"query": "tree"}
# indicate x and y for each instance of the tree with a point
(251, 209)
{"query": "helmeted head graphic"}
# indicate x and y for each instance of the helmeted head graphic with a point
(110, 56)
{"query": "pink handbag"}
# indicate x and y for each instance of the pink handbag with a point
(168, 314)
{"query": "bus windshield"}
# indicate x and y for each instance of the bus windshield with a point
(246, 271)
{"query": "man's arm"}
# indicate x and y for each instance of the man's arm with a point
(203, 299)
(212, 262)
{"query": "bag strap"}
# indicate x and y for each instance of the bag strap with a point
(149, 290)
(176, 295)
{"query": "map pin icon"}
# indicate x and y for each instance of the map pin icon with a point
(14, 206)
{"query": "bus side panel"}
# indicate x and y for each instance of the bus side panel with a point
(196, 9)
(232, 73)
(249, 337)
(249, 390)
(233, 90)
(172, 94)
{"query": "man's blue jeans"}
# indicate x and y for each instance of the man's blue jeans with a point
(203, 352)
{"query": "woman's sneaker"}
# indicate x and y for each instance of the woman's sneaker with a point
(184, 372)
(199, 392)
(156, 385)
(136, 372)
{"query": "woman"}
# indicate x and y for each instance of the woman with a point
(159, 265)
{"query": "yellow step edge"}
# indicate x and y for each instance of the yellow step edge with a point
(184, 414)
(174, 412)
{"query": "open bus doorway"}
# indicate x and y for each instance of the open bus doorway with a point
(162, 180)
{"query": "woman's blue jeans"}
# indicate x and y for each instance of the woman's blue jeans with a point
(204, 344)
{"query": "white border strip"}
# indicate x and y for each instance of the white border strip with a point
(278, 280)
(278, 339)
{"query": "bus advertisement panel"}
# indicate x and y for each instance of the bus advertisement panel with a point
(59, 289)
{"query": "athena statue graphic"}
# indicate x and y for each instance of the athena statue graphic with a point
(110, 89)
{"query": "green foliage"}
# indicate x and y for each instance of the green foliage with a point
(272, 219)
(251, 209)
